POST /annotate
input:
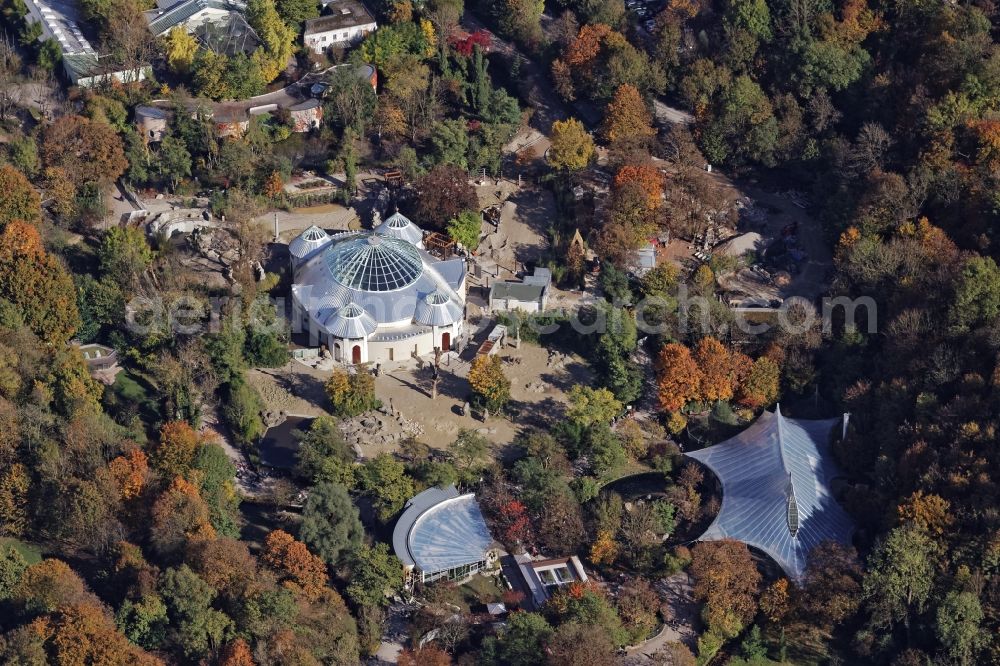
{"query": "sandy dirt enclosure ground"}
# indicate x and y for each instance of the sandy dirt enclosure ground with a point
(539, 378)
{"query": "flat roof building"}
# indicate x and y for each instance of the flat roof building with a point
(346, 22)
(59, 20)
(442, 535)
(544, 577)
(529, 295)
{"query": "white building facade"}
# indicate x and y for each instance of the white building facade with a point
(373, 298)
(346, 23)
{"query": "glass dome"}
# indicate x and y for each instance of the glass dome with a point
(398, 221)
(373, 262)
(314, 233)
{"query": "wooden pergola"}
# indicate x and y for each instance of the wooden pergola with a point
(439, 245)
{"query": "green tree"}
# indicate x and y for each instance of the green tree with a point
(524, 639)
(520, 19)
(470, 450)
(977, 295)
(242, 409)
(900, 576)
(743, 127)
(607, 456)
(959, 620)
(12, 565)
(144, 621)
(330, 524)
(140, 158)
(22, 151)
(124, 255)
(323, 454)
(198, 627)
(375, 574)
(173, 161)
(295, 12)
(465, 229)
(589, 406)
(450, 143)
(216, 476)
(750, 15)
(384, 479)
(277, 38)
(49, 55)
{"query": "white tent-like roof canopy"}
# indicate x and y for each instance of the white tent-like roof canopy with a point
(776, 493)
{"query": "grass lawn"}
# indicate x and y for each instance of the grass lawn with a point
(30, 552)
(135, 390)
(480, 590)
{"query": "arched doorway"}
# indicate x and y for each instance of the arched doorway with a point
(446, 341)
(356, 355)
(338, 353)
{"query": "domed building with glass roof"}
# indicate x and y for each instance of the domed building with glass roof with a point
(442, 534)
(376, 297)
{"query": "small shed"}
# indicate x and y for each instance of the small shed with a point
(505, 296)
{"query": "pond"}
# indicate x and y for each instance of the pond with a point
(639, 485)
(279, 447)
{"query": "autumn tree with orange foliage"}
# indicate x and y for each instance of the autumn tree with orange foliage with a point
(759, 387)
(130, 472)
(678, 377)
(927, 512)
(775, 601)
(14, 486)
(49, 584)
(89, 151)
(429, 655)
(647, 177)
(306, 572)
(80, 634)
(37, 285)
(224, 563)
(236, 653)
(174, 454)
(179, 514)
(727, 580)
(627, 119)
(274, 186)
(18, 199)
(605, 549)
(715, 363)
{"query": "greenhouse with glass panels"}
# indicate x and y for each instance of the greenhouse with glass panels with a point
(373, 297)
(776, 489)
(442, 535)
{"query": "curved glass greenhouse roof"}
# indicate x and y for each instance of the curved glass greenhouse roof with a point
(399, 226)
(308, 241)
(441, 530)
(776, 493)
(373, 262)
